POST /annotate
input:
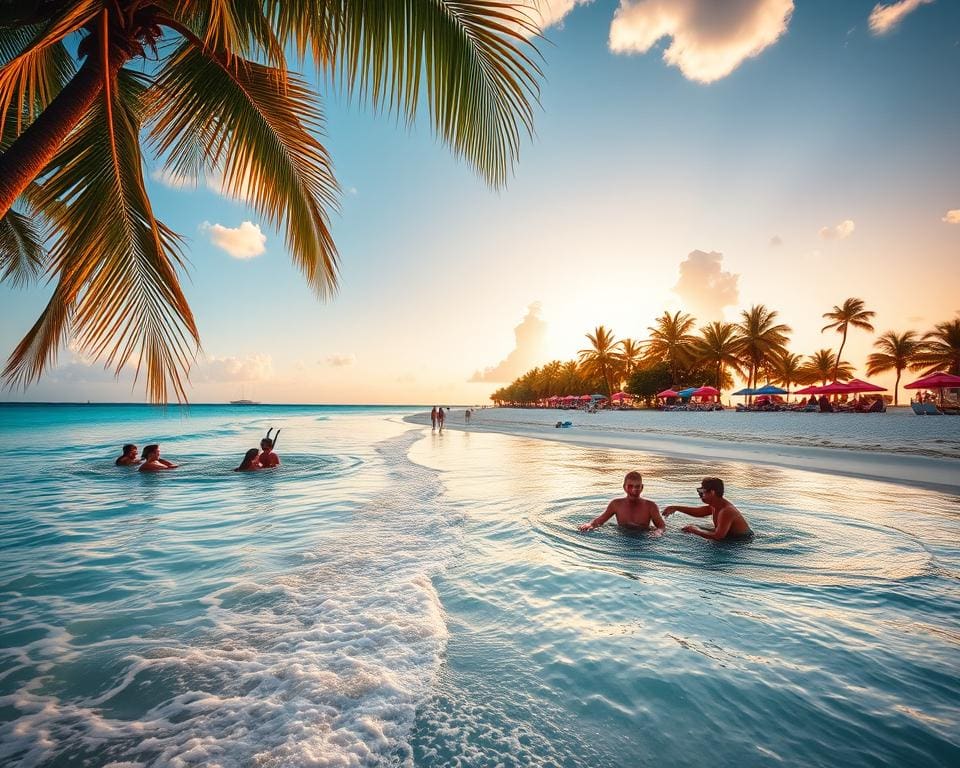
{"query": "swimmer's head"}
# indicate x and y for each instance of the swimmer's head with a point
(151, 451)
(633, 483)
(708, 484)
(266, 444)
(129, 449)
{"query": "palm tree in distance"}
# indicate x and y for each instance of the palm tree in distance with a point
(787, 369)
(628, 358)
(852, 312)
(570, 378)
(822, 366)
(209, 87)
(941, 348)
(671, 341)
(600, 360)
(717, 346)
(896, 351)
(761, 339)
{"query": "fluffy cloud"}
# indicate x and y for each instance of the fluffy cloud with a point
(703, 285)
(530, 335)
(709, 39)
(341, 360)
(243, 242)
(235, 369)
(952, 217)
(841, 231)
(885, 16)
(551, 12)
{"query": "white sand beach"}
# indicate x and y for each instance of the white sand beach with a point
(896, 447)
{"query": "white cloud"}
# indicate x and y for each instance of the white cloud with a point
(704, 287)
(841, 231)
(551, 12)
(776, 240)
(709, 39)
(341, 360)
(952, 217)
(243, 242)
(885, 16)
(530, 336)
(172, 179)
(235, 369)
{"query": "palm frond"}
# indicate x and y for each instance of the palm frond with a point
(233, 27)
(256, 123)
(118, 288)
(35, 62)
(21, 248)
(473, 58)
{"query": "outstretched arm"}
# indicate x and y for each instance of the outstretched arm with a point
(724, 521)
(703, 511)
(658, 520)
(167, 464)
(596, 523)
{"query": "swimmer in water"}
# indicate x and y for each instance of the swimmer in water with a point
(129, 457)
(268, 458)
(728, 523)
(249, 463)
(152, 461)
(633, 511)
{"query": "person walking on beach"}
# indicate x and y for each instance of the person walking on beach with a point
(152, 461)
(632, 511)
(129, 457)
(440, 417)
(728, 522)
(433, 418)
(268, 458)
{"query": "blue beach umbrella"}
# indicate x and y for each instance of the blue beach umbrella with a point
(744, 391)
(769, 389)
(688, 392)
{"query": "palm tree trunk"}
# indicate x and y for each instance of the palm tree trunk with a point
(836, 363)
(896, 387)
(33, 149)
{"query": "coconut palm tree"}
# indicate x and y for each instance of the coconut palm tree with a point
(761, 339)
(787, 369)
(852, 312)
(671, 341)
(822, 366)
(570, 378)
(208, 85)
(717, 346)
(941, 348)
(599, 360)
(628, 358)
(897, 351)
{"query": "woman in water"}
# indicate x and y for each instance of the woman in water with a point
(249, 462)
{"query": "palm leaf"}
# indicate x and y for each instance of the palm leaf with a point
(474, 58)
(35, 62)
(21, 249)
(234, 27)
(117, 287)
(254, 123)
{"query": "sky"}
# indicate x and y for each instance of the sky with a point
(688, 154)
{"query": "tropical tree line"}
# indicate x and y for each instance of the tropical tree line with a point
(677, 353)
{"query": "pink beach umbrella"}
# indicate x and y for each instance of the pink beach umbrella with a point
(584, 398)
(938, 380)
(859, 385)
(620, 396)
(667, 393)
(706, 391)
(811, 390)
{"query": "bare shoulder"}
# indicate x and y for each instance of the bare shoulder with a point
(651, 504)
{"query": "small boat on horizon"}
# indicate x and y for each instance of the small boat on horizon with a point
(244, 402)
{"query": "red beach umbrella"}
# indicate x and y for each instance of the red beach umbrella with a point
(811, 390)
(938, 380)
(667, 393)
(859, 385)
(620, 396)
(584, 398)
(836, 388)
(705, 391)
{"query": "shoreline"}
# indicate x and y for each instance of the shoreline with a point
(939, 474)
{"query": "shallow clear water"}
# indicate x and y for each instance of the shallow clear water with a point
(392, 596)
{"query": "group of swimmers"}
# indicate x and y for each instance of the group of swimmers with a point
(636, 513)
(263, 457)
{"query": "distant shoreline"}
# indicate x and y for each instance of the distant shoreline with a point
(942, 474)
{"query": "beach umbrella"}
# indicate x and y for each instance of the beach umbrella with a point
(770, 389)
(688, 392)
(859, 385)
(620, 396)
(584, 398)
(597, 396)
(706, 391)
(668, 393)
(743, 392)
(938, 380)
(813, 389)
(836, 388)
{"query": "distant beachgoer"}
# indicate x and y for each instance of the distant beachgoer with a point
(728, 523)
(250, 462)
(268, 458)
(129, 457)
(433, 417)
(466, 415)
(152, 461)
(632, 512)
(440, 417)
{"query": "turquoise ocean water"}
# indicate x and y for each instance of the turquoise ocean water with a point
(392, 596)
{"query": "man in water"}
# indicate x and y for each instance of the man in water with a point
(267, 457)
(632, 512)
(129, 457)
(152, 461)
(728, 523)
